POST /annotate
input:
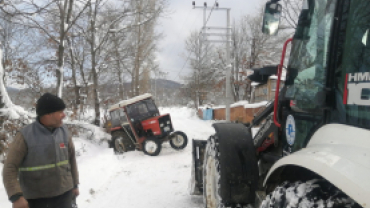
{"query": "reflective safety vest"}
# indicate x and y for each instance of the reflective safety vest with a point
(45, 171)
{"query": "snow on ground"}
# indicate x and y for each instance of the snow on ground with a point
(134, 179)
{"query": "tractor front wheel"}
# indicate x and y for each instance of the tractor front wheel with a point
(179, 140)
(152, 146)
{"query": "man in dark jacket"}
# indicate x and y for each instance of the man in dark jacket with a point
(40, 169)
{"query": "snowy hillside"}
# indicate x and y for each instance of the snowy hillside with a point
(134, 179)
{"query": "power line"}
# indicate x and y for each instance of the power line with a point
(198, 37)
(183, 23)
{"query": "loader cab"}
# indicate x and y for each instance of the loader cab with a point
(328, 74)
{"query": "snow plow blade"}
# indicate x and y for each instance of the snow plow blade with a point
(196, 181)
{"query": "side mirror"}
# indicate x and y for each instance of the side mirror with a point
(271, 18)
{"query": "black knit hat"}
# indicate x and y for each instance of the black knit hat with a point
(49, 103)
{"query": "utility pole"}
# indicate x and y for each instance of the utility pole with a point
(228, 67)
(228, 63)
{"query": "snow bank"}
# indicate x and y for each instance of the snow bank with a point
(16, 112)
(219, 106)
(182, 112)
(240, 103)
(256, 105)
(243, 103)
(90, 131)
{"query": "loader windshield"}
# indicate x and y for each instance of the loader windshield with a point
(349, 60)
(309, 55)
(353, 71)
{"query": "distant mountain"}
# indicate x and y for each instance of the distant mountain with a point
(26, 97)
(164, 83)
(12, 90)
(158, 83)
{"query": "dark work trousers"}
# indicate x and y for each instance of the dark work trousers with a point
(61, 201)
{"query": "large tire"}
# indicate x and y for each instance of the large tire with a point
(179, 140)
(152, 146)
(312, 193)
(121, 142)
(211, 175)
(236, 163)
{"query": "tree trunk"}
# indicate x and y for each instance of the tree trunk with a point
(121, 89)
(96, 97)
(136, 88)
(93, 68)
(4, 97)
(76, 88)
(120, 84)
(59, 71)
(83, 98)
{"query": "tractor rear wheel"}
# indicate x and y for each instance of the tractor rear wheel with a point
(179, 140)
(152, 146)
(121, 142)
(312, 193)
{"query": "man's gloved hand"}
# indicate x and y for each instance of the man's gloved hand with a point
(75, 192)
(20, 203)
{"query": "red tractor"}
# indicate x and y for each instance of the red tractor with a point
(137, 124)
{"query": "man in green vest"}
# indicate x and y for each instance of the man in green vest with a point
(40, 169)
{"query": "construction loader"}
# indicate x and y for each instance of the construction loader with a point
(313, 144)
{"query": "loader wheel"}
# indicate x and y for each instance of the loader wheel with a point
(121, 143)
(179, 140)
(152, 146)
(235, 173)
(312, 193)
(211, 175)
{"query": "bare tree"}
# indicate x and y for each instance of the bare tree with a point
(291, 11)
(144, 37)
(239, 51)
(76, 59)
(18, 49)
(42, 15)
(98, 39)
(205, 64)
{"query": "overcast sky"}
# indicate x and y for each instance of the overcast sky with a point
(183, 20)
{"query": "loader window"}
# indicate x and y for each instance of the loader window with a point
(308, 59)
(353, 74)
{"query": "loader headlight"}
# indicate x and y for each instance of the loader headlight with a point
(161, 125)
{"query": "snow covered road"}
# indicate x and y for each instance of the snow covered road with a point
(134, 179)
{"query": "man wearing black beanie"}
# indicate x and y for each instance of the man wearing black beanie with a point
(41, 169)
